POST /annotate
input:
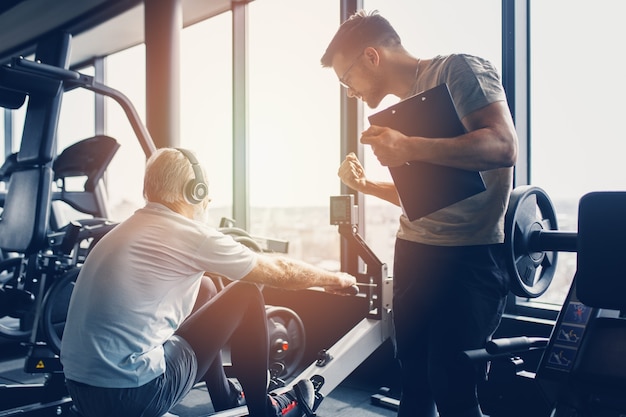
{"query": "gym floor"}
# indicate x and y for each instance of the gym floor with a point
(349, 399)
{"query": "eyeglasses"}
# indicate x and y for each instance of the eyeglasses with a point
(342, 79)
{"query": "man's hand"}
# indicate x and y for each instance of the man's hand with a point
(387, 144)
(345, 286)
(351, 172)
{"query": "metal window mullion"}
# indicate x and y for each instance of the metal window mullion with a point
(100, 117)
(351, 120)
(8, 132)
(241, 194)
(516, 77)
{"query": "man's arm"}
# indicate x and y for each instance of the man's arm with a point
(291, 274)
(491, 142)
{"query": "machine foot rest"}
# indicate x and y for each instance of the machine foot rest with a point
(384, 399)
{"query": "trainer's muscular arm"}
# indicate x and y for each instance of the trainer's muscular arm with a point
(290, 274)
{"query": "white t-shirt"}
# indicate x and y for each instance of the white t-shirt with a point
(136, 287)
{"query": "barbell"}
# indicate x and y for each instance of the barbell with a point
(532, 241)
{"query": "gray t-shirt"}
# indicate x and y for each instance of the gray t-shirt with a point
(135, 289)
(474, 83)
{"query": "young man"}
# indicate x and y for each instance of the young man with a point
(142, 326)
(450, 281)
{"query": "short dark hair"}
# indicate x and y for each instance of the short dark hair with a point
(359, 31)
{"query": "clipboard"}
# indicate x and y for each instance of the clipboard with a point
(423, 187)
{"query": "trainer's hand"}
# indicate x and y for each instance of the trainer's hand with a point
(351, 172)
(387, 144)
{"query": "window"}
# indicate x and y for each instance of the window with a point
(12, 128)
(294, 127)
(13, 125)
(76, 120)
(206, 106)
(125, 71)
(577, 90)
(17, 116)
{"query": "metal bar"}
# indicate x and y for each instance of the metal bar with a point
(145, 140)
(515, 77)
(376, 270)
(55, 407)
(50, 71)
(241, 181)
(73, 79)
(515, 344)
(552, 240)
(351, 120)
(99, 104)
(162, 33)
(8, 132)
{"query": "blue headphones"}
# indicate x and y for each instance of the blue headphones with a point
(196, 189)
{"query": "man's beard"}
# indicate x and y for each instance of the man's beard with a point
(375, 94)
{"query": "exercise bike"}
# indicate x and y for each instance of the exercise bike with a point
(87, 159)
(34, 284)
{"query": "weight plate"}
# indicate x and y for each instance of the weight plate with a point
(287, 340)
(531, 270)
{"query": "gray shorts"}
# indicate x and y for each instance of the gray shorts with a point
(153, 399)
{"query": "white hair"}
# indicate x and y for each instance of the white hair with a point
(167, 173)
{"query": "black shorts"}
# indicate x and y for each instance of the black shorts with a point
(152, 399)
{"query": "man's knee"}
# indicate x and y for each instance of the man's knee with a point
(246, 289)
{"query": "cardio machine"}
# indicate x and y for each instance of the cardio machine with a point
(76, 215)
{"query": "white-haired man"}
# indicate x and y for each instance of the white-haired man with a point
(143, 327)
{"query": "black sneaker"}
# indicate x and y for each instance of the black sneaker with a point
(294, 403)
(235, 397)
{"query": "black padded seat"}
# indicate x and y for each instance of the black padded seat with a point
(24, 219)
(601, 270)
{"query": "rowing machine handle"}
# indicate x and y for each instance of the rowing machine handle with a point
(351, 290)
